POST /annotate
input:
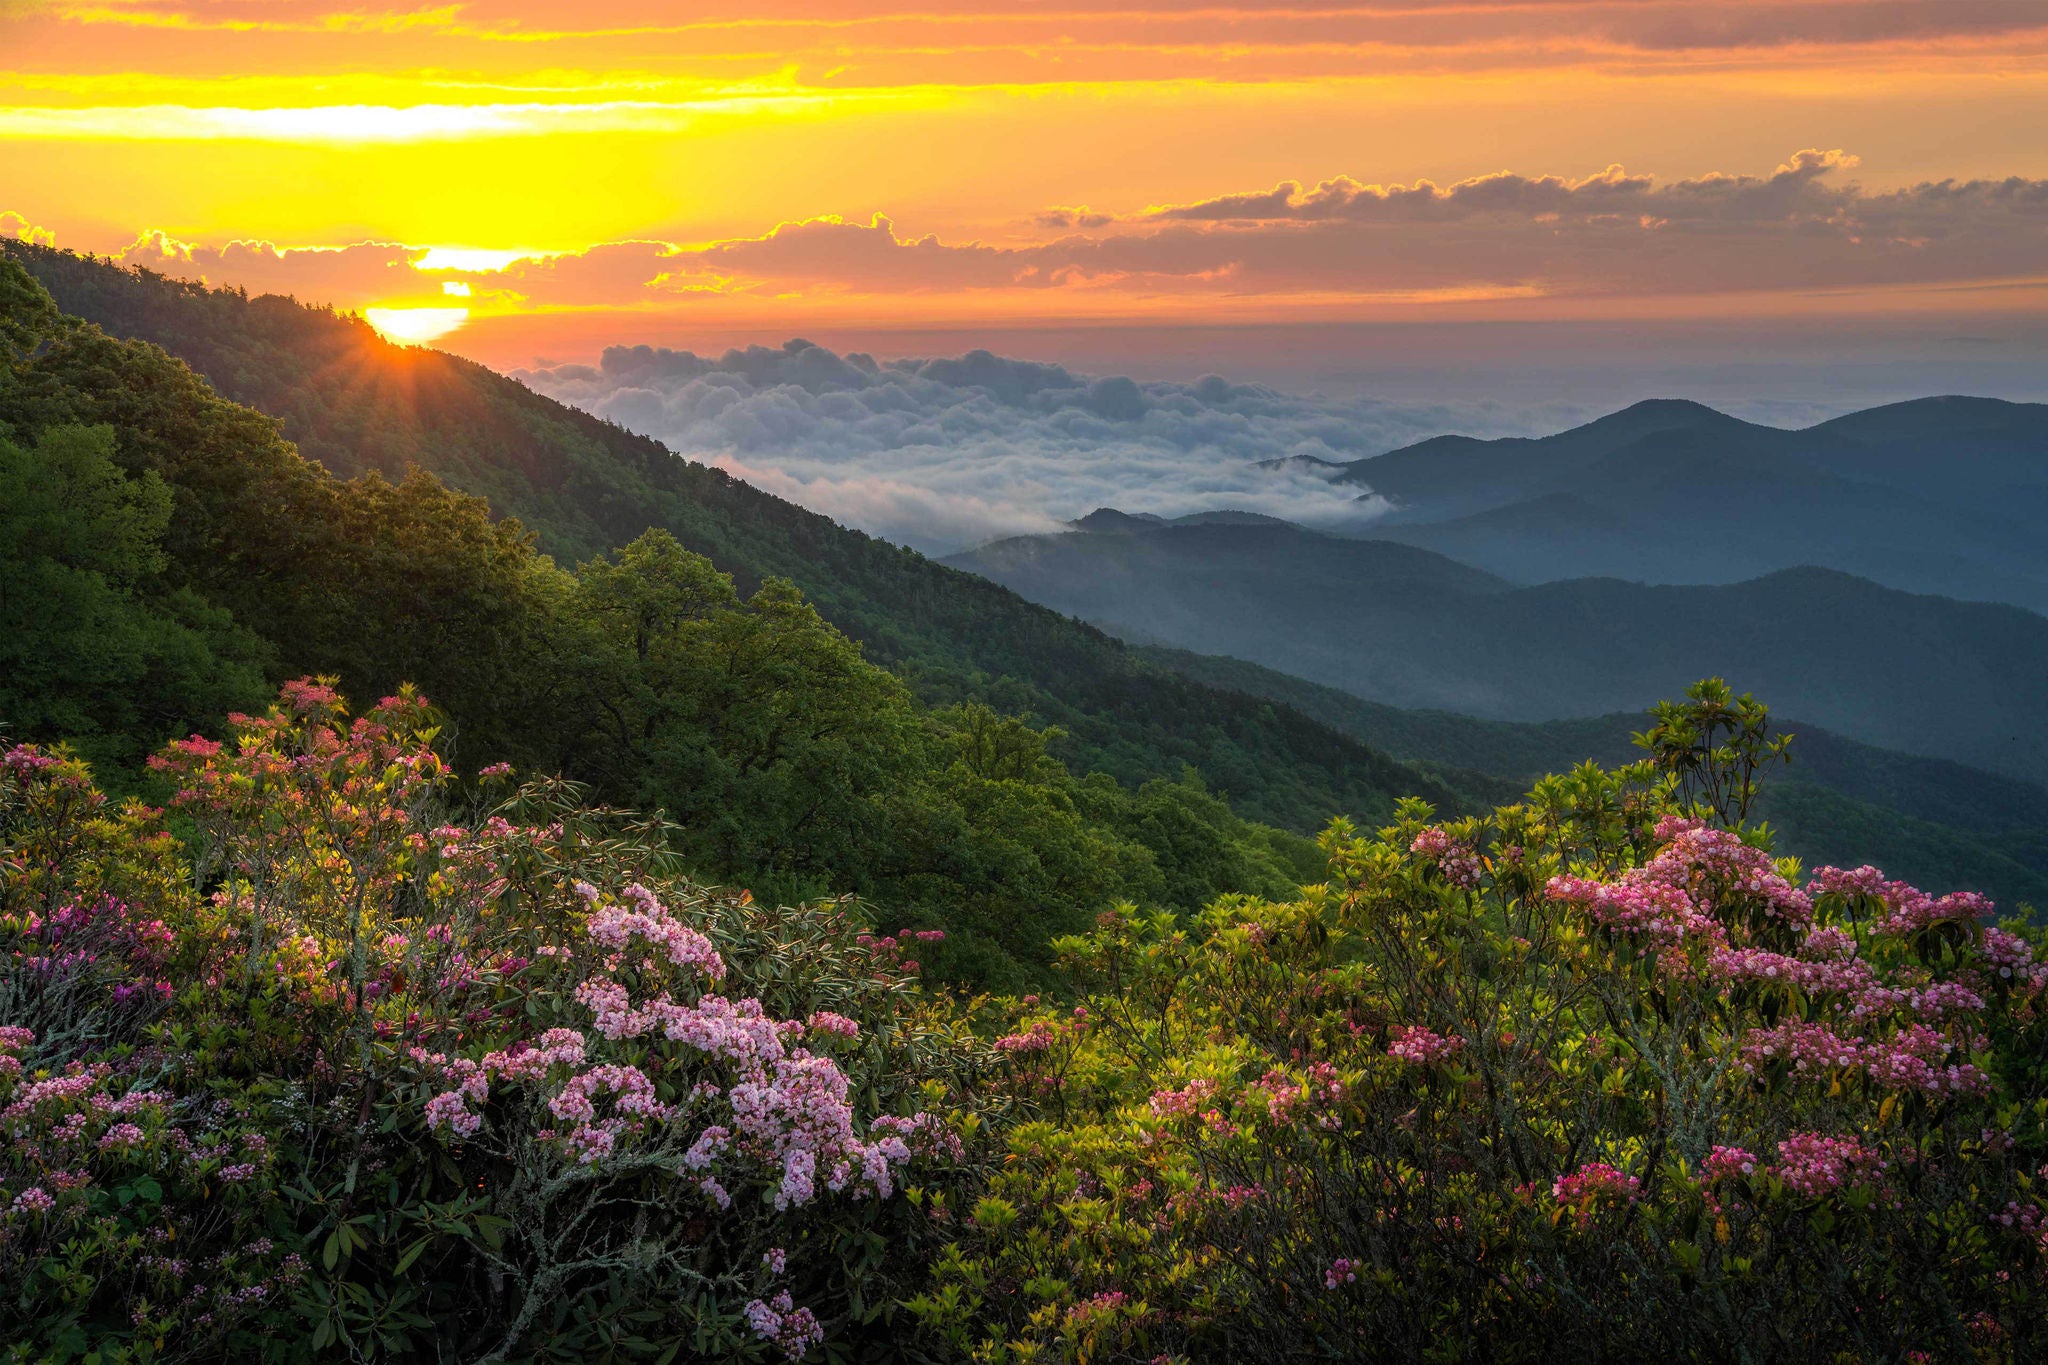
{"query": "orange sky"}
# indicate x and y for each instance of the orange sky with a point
(668, 170)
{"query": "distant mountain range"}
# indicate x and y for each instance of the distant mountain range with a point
(1412, 628)
(1942, 495)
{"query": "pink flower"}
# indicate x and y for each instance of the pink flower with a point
(1815, 1165)
(779, 1320)
(1419, 1046)
(614, 926)
(35, 1199)
(1592, 1185)
(1342, 1271)
(1186, 1101)
(1038, 1038)
(835, 1025)
(1458, 862)
(1727, 1162)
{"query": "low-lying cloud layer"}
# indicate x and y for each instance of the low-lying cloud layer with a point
(942, 454)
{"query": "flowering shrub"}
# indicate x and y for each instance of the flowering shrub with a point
(1596, 1075)
(428, 1066)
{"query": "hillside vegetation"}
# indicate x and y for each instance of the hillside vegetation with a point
(356, 404)
(171, 555)
(345, 1053)
(1840, 802)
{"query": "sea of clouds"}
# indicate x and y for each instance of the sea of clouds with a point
(943, 454)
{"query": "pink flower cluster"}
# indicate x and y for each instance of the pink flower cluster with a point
(615, 926)
(832, 1025)
(1914, 1058)
(1700, 873)
(780, 1321)
(1186, 1101)
(1634, 903)
(2011, 958)
(1096, 1306)
(789, 1109)
(1342, 1271)
(520, 1062)
(1907, 909)
(1724, 1163)
(1421, 1047)
(35, 1199)
(1594, 1184)
(1038, 1038)
(1458, 861)
(1815, 1165)
(12, 1041)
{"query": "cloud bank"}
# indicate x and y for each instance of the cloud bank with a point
(941, 454)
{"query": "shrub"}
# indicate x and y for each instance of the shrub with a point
(1593, 1076)
(460, 1071)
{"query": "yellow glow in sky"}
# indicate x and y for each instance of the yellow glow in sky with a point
(613, 161)
(415, 326)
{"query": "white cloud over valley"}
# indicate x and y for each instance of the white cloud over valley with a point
(945, 453)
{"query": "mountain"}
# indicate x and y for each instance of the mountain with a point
(1403, 626)
(356, 403)
(1839, 802)
(1936, 495)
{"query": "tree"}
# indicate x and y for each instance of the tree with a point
(94, 648)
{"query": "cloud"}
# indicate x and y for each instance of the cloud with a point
(1802, 226)
(14, 225)
(346, 276)
(1805, 227)
(945, 453)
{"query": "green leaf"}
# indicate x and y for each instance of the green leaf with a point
(411, 1254)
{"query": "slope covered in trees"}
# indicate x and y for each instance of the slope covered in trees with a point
(1840, 802)
(170, 555)
(355, 404)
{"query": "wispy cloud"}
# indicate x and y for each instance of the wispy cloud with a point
(1804, 229)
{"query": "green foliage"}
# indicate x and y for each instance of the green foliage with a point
(94, 647)
(1714, 743)
(358, 405)
(1587, 1078)
(790, 763)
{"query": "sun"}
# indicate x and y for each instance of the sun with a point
(415, 326)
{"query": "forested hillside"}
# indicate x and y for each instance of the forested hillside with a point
(356, 403)
(170, 556)
(1839, 802)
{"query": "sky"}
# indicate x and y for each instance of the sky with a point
(1791, 206)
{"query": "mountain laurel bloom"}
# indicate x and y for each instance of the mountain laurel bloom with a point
(1458, 861)
(1422, 1047)
(780, 1321)
(1815, 1165)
